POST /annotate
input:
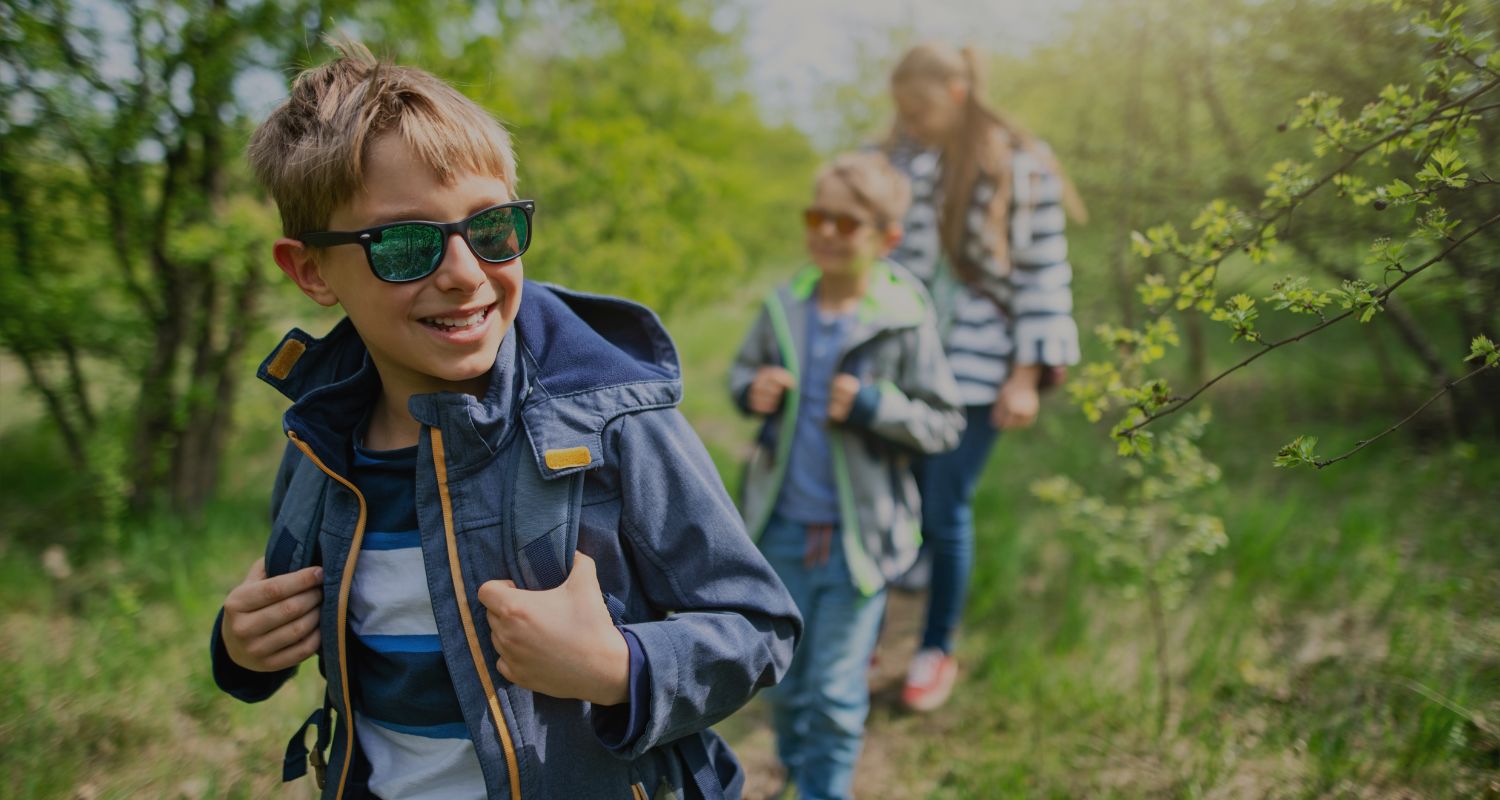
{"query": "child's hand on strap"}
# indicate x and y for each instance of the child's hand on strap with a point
(767, 389)
(272, 623)
(841, 396)
(559, 642)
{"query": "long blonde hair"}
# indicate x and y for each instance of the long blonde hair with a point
(983, 144)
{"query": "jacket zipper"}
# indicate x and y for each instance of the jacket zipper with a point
(440, 465)
(345, 582)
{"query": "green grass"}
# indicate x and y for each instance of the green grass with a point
(1345, 643)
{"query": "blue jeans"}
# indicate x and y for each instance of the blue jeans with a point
(819, 708)
(947, 482)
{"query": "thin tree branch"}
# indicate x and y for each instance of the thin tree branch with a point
(1354, 157)
(57, 409)
(1363, 443)
(1178, 403)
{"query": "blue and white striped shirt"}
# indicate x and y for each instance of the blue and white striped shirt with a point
(406, 715)
(982, 339)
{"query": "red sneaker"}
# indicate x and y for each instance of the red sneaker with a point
(929, 680)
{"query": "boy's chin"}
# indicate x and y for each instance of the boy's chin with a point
(476, 365)
(837, 268)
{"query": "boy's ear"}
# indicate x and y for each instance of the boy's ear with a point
(298, 263)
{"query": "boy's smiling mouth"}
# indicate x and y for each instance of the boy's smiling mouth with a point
(456, 321)
(459, 321)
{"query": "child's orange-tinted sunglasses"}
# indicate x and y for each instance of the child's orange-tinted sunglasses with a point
(845, 224)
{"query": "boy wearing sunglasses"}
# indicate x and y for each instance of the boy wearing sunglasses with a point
(452, 441)
(846, 366)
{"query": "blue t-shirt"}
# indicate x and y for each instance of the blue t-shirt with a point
(809, 494)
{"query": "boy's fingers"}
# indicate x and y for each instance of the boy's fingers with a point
(264, 620)
(287, 635)
(296, 654)
(257, 571)
(273, 590)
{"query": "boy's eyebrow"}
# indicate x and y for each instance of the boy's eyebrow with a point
(399, 214)
(410, 213)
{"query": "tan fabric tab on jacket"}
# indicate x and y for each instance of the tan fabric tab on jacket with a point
(286, 358)
(566, 457)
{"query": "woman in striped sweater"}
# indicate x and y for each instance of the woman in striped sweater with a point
(985, 233)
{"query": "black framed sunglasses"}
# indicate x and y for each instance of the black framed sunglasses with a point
(400, 252)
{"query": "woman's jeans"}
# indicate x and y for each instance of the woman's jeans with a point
(819, 708)
(947, 482)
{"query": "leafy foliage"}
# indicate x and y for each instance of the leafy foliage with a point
(126, 209)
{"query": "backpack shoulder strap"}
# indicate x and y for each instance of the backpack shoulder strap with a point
(541, 517)
(294, 532)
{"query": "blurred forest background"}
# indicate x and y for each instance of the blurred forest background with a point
(1187, 620)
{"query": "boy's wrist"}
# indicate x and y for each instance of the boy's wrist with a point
(613, 688)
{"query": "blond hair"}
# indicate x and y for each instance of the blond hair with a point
(983, 144)
(875, 183)
(311, 152)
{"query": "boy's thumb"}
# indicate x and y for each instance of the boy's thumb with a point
(584, 570)
(491, 592)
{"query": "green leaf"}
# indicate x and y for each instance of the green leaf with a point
(1483, 349)
(1299, 452)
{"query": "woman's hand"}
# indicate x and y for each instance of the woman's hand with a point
(1018, 402)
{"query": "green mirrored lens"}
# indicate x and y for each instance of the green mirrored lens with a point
(499, 234)
(406, 252)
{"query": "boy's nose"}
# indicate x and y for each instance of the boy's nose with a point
(460, 269)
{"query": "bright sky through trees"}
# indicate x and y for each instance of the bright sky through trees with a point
(795, 47)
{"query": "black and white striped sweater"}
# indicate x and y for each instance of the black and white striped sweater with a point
(1035, 325)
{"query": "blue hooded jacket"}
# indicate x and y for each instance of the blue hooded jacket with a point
(583, 383)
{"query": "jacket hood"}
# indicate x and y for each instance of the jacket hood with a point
(572, 362)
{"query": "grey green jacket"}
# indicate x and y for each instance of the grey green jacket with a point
(907, 406)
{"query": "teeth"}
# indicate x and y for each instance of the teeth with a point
(457, 322)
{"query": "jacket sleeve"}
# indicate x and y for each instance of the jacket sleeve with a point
(920, 408)
(1040, 279)
(733, 627)
(758, 350)
(238, 682)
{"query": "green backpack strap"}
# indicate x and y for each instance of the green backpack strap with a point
(541, 517)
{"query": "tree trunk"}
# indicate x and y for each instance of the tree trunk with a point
(57, 408)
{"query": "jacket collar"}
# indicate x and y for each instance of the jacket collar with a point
(571, 363)
(893, 300)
